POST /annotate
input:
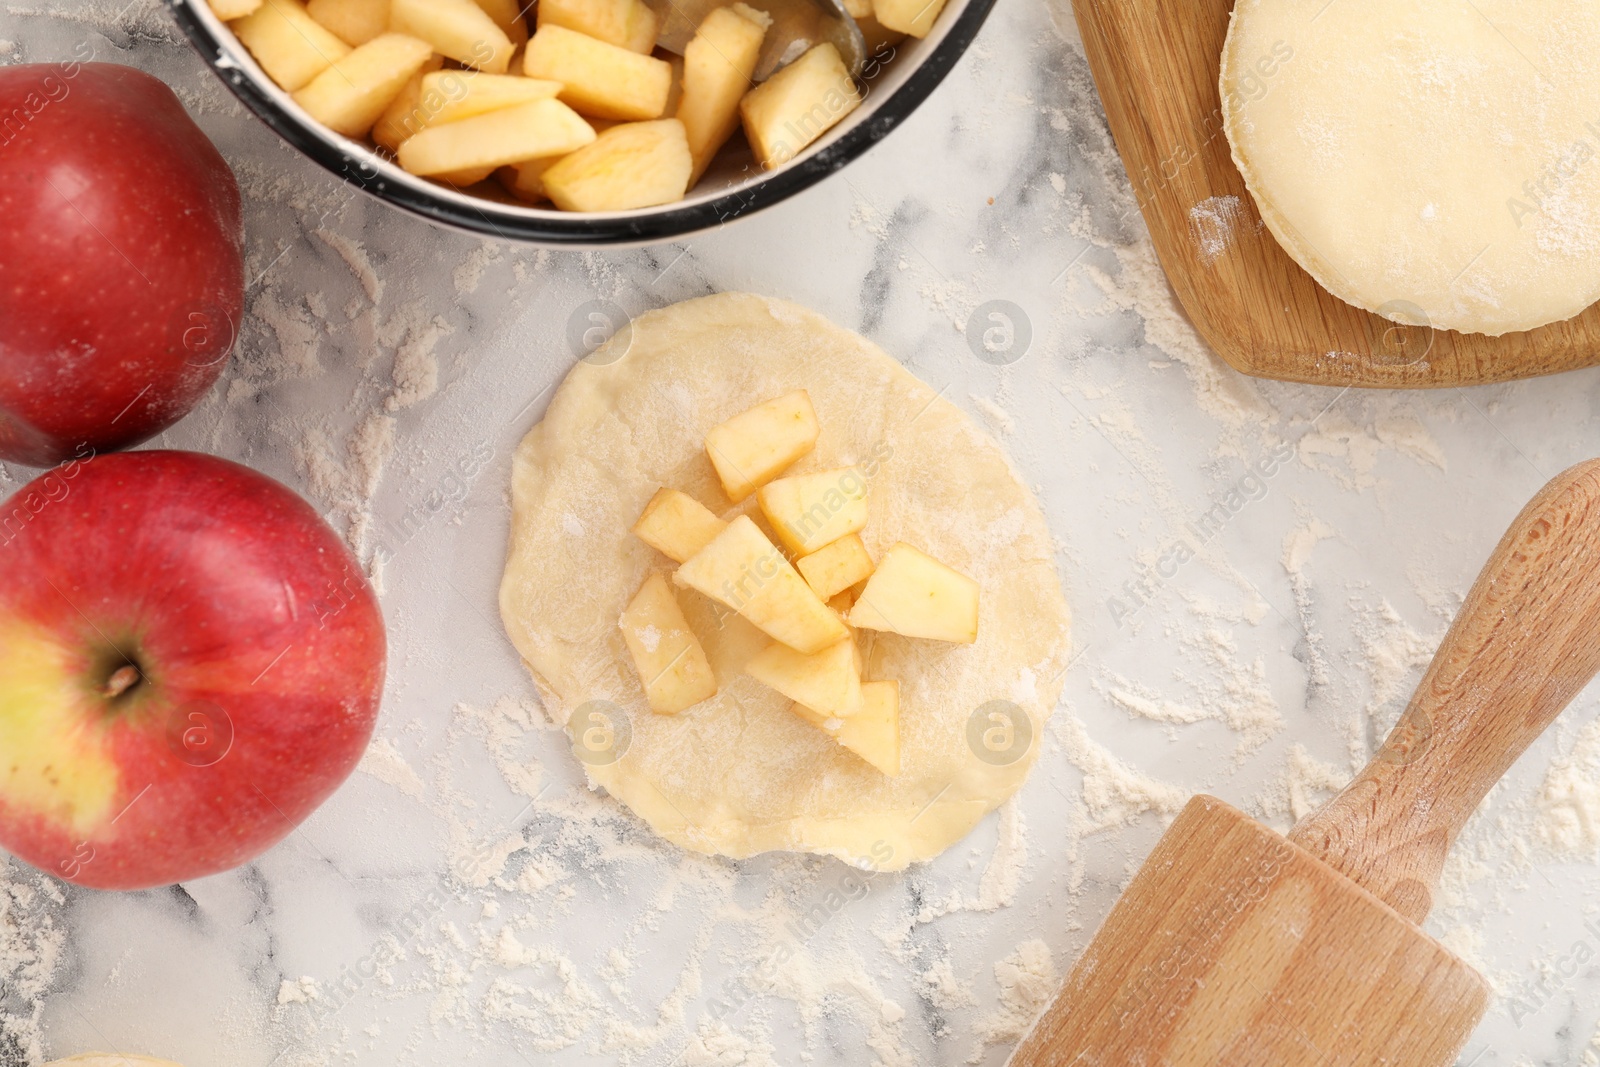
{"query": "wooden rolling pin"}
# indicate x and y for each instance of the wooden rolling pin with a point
(1237, 947)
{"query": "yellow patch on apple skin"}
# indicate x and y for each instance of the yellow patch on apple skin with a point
(52, 763)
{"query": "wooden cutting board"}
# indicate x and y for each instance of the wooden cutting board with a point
(1157, 64)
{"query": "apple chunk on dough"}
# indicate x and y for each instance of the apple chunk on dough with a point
(915, 595)
(751, 449)
(672, 664)
(810, 511)
(742, 570)
(829, 682)
(677, 525)
(835, 568)
(873, 732)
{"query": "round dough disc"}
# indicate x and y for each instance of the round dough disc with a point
(740, 773)
(1437, 163)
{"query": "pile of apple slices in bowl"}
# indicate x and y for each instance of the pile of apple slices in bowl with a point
(811, 600)
(587, 112)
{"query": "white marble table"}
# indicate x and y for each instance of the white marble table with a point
(1276, 656)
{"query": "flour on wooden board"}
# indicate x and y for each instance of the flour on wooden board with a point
(1213, 224)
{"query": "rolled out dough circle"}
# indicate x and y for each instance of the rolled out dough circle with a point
(1437, 163)
(740, 774)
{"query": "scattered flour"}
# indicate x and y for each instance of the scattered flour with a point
(32, 944)
(385, 763)
(997, 888)
(1301, 787)
(299, 341)
(416, 368)
(1568, 802)
(1297, 548)
(1114, 794)
(996, 416)
(1232, 399)
(355, 257)
(469, 275)
(1394, 652)
(944, 990)
(1336, 437)
(301, 991)
(1230, 692)
(1027, 980)
(1300, 541)
(717, 1044)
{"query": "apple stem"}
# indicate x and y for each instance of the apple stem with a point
(122, 679)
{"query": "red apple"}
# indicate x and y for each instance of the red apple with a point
(190, 662)
(121, 260)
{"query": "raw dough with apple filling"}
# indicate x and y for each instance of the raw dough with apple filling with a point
(741, 774)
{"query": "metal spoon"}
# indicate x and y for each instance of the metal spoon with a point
(797, 25)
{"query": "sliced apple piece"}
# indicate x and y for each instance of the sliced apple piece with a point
(458, 29)
(908, 16)
(354, 91)
(510, 135)
(834, 568)
(752, 448)
(627, 24)
(634, 165)
(827, 682)
(915, 595)
(677, 525)
(406, 115)
(228, 10)
(599, 79)
(718, 65)
(290, 45)
(809, 511)
(873, 732)
(744, 571)
(525, 180)
(465, 178)
(672, 664)
(355, 22)
(463, 94)
(880, 41)
(797, 105)
(507, 14)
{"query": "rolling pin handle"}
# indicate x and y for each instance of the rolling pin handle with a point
(1526, 641)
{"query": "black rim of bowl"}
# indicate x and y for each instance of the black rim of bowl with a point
(488, 218)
